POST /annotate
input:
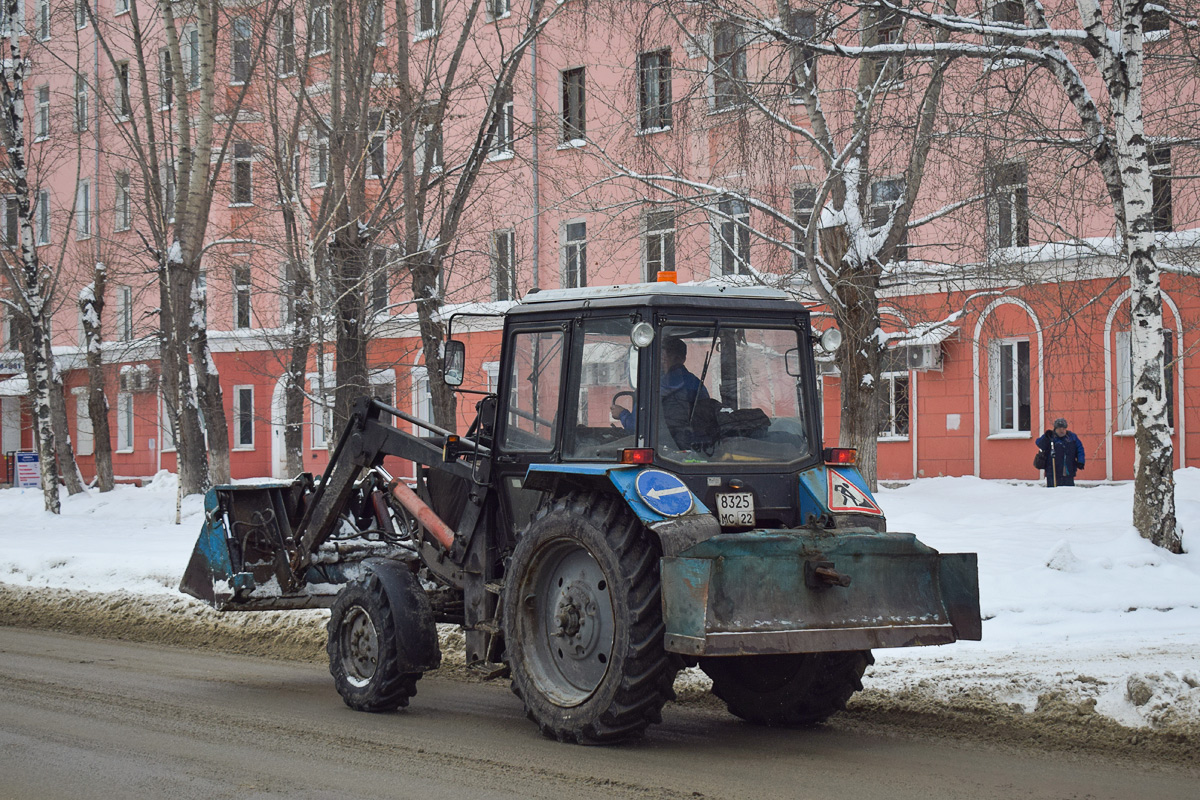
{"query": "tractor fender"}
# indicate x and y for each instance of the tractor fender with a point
(839, 494)
(416, 633)
(675, 532)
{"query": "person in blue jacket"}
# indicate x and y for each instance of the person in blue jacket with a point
(1064, 454)
(678, 390)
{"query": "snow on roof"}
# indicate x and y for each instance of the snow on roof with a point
(657, 288)
(16, 386)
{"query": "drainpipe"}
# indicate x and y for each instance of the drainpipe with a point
(537, 200)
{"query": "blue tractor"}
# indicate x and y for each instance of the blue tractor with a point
(645, 490)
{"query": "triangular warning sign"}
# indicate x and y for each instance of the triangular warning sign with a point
(844, 496)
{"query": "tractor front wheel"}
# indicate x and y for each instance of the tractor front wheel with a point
(787, 690)
(365, 653)
(583, 622)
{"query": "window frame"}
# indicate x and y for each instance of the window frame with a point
(122, 205)
(1158, 159)
(124, 318)
(83, 209)
(1124, 425)
(82, 110)
(243, 304)
(42, 113)
(124, 104)
(654, 91)
(1011, 425)
(574, 254)
(1008, 205)
(126, 439)
(658, 242)
(243, 417)
(728, 50)
(427, 19)
(573, 117)
(241, 190)
(503, 126)
(43, 217)
(241, 56)
(503, 263)
(731, 226)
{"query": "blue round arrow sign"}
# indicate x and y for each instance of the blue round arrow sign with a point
(663, 492)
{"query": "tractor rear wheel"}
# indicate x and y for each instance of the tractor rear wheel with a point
(583, 622)
(364, 651)
(787, 690)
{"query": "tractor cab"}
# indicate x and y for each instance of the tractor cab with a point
(714, 384)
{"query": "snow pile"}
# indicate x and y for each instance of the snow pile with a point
(1080, 612)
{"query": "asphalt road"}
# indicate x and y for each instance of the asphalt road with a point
(90, 718)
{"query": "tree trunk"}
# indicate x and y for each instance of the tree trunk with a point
(63, 450)
(433, 333)
(350, 257)
(858, 360)
(1154, 476)
(38, 368)
(92, 307)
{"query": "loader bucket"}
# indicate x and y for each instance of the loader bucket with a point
(787, 591)
(241, 560)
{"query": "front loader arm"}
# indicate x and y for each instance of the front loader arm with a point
(364, 443)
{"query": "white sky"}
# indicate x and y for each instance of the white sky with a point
(1073, 600)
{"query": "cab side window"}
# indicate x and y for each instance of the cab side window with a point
(534, 388)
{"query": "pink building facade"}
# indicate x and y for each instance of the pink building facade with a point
(980, 365)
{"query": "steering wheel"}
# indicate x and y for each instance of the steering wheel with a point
(630, 395)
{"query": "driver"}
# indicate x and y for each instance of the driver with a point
(678, 388)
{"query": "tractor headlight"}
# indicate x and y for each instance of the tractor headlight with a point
(831, 340)
(642, 334)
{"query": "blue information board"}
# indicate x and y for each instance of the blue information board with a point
(663, 493)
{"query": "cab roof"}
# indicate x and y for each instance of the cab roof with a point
(726, 296)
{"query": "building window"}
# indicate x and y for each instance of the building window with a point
(12, 221)
(124, 422)
(574, 113)
(1006, 12)
(803, 58)
(1009, 378)
(377, 145)
(122, 213)
(1125, 379)
(43, 217)
(319, 409)
(1008, 208)
(243, 417)
(243, 193)
(660, 243)
(892, 395)
(166, 78)
(654, 90)
(81, 103)
(496, 9)
(429, 142)
(502, 124)
(81, 14)
(122, 6)
(84, 436)
(241, 297)
(804, 200)
(574, 255)
(733, 235)
(504, 278)
(884, 30)
(43, 20)
(318, 26)
(122, 89)
(191, 46)
(729, 65)
(124, 314)
(240, 50)
(319, 159)
(427, 17)
(1155, 24)
(42, 119)
(286, 42)
(83, 210)
(886, 197)
(1159, 159)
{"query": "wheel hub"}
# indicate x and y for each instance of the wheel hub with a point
(571, 606)
(360, 650)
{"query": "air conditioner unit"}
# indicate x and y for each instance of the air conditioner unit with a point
(924, 356)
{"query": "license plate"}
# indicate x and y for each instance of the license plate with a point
(735, 509)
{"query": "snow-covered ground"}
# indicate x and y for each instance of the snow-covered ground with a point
(1077, 607)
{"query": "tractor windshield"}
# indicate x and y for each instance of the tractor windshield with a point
(728, 393)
